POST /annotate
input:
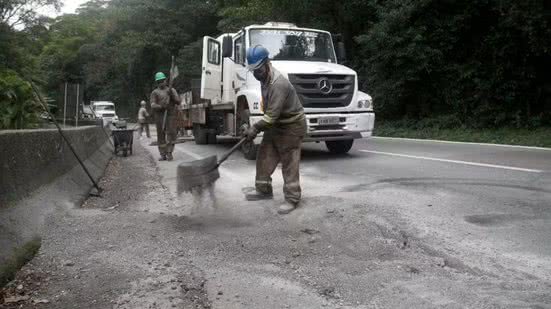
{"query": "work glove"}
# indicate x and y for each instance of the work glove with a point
(250, 133)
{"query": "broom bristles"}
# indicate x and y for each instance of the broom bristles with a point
(196, 174)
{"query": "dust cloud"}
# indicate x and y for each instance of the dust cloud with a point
(200, 201)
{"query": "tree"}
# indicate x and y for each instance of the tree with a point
(16, 13)
(478, 63)
(482, 62)
(18, 109)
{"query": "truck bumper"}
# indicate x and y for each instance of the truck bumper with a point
(107, 121)
(348, 126)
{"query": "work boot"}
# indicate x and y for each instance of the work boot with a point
(286, 208)
(169, 156)
(257, 196)
(162, 158)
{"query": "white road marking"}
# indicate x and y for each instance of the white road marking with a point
(504, 167)
(464, 143)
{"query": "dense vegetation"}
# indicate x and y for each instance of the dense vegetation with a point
(471, 64)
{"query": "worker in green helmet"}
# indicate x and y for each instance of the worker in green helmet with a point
(164, 102)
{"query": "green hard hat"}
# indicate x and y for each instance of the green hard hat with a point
(159, 76)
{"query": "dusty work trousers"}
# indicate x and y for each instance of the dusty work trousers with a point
(144, 126)
(166, 137)
(276, 148)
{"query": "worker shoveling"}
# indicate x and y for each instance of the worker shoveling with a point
(284, 127)
(201, 174)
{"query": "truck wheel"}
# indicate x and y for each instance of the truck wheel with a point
(211, 136)
(201, 135)
(249, 149)
(339, 147)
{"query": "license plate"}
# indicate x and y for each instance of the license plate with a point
(328, 120)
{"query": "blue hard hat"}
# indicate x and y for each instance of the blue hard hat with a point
(256, 57)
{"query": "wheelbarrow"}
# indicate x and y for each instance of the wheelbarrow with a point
(122, 140)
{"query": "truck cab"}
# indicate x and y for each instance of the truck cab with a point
(336, 111)
(105, 110)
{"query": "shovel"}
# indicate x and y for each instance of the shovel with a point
(203, 172)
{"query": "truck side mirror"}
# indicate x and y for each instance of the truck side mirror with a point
(227, 46)
(341, 52)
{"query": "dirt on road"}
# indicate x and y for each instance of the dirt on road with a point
(139, 246)
(115, 251)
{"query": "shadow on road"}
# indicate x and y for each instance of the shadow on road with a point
(309, 152)
(438, 181)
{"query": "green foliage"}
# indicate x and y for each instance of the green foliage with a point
(440, 129)
(115, 47)
(481, 63)
(485, 62)
(60, 57)
(16, 13)
(18, 109)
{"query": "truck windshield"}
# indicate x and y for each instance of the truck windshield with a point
(105, 107)
(296, 45)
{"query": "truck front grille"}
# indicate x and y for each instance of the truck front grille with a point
(309, 89)
(108, 115)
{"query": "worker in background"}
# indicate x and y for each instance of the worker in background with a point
(143, 116)
(284, 127)
(163, 102)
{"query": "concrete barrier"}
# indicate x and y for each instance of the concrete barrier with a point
(39, 175)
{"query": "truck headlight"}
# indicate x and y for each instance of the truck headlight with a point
(367, 104)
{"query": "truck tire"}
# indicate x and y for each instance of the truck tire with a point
(200, 134)
(249, 149)
(211, 136)
(339, 147)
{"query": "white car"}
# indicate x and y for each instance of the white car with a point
(105, 110)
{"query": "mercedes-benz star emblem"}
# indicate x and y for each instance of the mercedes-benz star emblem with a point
(325, 85)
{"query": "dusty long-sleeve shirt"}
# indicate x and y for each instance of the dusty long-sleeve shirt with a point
(283, 111)
(142, 114)
(164, 99)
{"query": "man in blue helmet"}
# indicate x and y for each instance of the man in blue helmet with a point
(165, 99)
(284, 127)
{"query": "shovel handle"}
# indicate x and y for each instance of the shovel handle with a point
(232, 150)
(164, 120)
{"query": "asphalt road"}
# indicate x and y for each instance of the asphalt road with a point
(392, 224)
(481, 210)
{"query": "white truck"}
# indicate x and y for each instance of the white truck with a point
(336, 111)
(105, 110)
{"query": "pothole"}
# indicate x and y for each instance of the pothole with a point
(494, 219)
